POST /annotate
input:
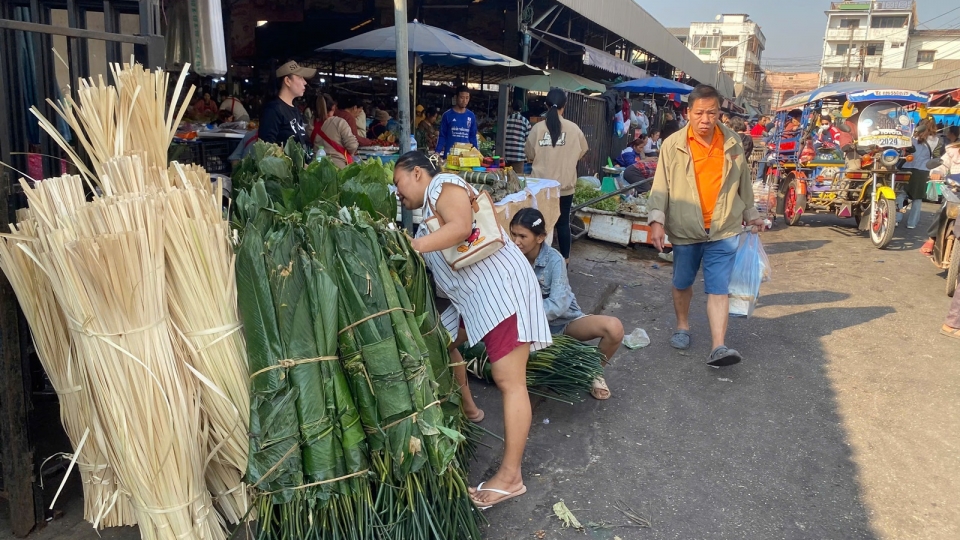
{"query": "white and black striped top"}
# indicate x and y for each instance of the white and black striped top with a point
(515, 138)
(487, 292)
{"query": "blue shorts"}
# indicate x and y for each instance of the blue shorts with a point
(716, 258)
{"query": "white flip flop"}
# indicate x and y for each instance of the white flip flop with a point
(506, 495)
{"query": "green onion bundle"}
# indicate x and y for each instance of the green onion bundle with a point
(564, 371)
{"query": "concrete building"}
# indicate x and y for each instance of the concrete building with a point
(863, 37)
(735, 45)
(781, 86)
(926, 47)
(864, 40)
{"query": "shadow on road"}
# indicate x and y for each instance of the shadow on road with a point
(789, 247)
(802, 298)
(754, 451)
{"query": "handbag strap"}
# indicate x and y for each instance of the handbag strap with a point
(470, 190)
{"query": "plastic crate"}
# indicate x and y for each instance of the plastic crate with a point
(216, 154)
(186, 152)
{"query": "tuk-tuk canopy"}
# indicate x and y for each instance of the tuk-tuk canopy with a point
(855, 92)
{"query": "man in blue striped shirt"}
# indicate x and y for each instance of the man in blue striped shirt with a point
(515, 134)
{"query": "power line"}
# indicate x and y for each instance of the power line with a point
(938, 16)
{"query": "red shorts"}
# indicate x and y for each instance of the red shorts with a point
(502, 340)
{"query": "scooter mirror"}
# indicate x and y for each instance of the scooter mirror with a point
(934, 163)
(770, 126)
(842, 126)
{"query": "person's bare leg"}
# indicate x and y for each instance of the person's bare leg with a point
(460, 374)
(510, 374)
(718, 310)
(681, 306)
(608, 329)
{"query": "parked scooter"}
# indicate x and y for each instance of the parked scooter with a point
(946, 249)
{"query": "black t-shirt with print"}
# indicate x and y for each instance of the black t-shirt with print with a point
(279, 121)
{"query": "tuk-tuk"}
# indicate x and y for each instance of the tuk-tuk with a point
(850, 167)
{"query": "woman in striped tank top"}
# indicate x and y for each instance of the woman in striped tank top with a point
(496, 300)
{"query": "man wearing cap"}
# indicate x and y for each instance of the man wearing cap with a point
(279, 119)
(458, 125)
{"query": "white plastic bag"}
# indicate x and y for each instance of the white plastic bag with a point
(750, 268)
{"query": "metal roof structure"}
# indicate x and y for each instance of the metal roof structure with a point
(591, 55)
(627, 19)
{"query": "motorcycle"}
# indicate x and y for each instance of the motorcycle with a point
(946, 248)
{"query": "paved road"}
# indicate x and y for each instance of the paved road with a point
(842, 423)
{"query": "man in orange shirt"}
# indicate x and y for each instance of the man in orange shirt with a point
(702, 195)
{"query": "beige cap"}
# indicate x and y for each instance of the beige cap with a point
(382, 116)
(293, 68)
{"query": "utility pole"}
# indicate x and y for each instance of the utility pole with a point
(403, 88)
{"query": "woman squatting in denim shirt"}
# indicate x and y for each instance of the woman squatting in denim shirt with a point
(528, 230)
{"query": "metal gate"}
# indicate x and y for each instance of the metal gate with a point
(590, 114)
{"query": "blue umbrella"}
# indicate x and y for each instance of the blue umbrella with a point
(654, 85)
(433, 45)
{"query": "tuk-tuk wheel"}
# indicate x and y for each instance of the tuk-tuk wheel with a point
(794, 203)
(883, 223)
(953, 273)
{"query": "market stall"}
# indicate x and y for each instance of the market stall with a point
(208, 148)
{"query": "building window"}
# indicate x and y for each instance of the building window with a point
(849, 23)
(875, 49)
(706, 42)
(843, 49)
(888, 22)
(926, 56)
(730, 52)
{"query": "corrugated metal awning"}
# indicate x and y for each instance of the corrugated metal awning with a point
(591, 55)
(631, 22)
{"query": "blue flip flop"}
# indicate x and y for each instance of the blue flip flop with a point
(680, 340)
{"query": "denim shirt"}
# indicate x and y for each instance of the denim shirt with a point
(558, 300)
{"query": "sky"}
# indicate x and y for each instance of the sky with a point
(794, 28)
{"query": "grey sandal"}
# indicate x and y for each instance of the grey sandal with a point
(723, 356)
(680, 340)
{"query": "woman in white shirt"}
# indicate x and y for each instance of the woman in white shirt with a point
(652, 148)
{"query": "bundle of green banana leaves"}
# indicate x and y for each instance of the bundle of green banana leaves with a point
(564, 371)
(355, 418)
(293, 183)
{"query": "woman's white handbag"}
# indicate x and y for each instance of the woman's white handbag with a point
(485, 237)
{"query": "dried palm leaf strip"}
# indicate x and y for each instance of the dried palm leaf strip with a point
(107, 269)
(201, 293)
(52, 342)
(52, 200)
